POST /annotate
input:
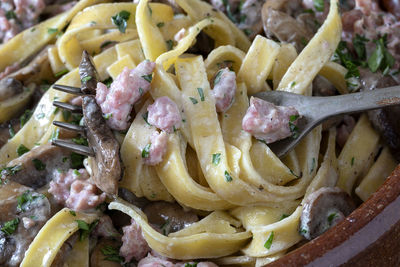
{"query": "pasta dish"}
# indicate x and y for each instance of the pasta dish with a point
(131, 136)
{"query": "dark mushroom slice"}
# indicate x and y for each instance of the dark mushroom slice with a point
(385, 121)
(106, 164)
(36, 167)
(10, 87)
(323, 209)
(88, 74)
(169, 217)
(28, 211)
(8, 129)
(393, 6)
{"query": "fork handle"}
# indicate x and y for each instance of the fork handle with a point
(356, 102)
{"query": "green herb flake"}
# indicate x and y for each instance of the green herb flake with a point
(61, 73)
(121, 20)
(145, 116)
(33, 29)
(170, 44)
(297, 176)
(25, 199)
(293, 127)
(39, 165)
(216, 158)
(284, 216)
(55, 134)
(52, 30)
(40, 116)
(303, 231)
(150, 10)
(10, 226)
(86, 79)
(146, 151)
(319, 5)
(12, 170)
(269, 241)
(359, 46)
(10, 15)
(73, 213)
(381, 58)
(76, 160)
(312, 165)
(85, 228)
(148, 77)
(66, 115)
(189, 264)
(22, 150)
(194, 100)
(352, 161)
(111, 253)
(166, 227)
(11, 131)
(160, 24)
(247, 32)
(108, 82)
(201, 93)
(141, 91)
(25, 117)
(217, 78)
(107, 116)
(331, 217)
(105, 44)
(292, 84)
(228, 177)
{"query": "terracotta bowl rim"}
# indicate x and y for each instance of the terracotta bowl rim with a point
(351, 236)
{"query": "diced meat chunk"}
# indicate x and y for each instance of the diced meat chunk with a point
(83, 196)
(61, 183)
(28, 11)
(157, 149)
(117, 101)
(268, 122)
(224, 89)
(164, 114)
(133, 243)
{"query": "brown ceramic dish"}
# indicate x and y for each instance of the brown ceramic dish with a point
(370, 236)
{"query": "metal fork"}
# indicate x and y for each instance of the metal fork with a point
(80, 149)
(315, 110)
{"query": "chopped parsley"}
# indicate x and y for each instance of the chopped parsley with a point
(39, 165)
(303, 231)
(27, 198)
(284, 216)
(107, 116)
(55, 134)
(112, 254)
(194, 100)
(319, 5)
(80, 141)
(297, 176)
(121, 20)
(22, 150)
(52, 30)
(228, 177)
(61, 73)
(148, 77)
(66, 114)
(73, 213)
(331, 217)
(105, 44)
(145, 117)
(188, 264)
(76, 172)
(40, 116)
(166, 227)
(108, 82)
(86, 79)
(269, 241)
(381, 59)
(170, 44)
(312, 165)
(76, 160)
(201, 93)
(25, 117)
(292, 84)
(85, 228)
(352, 161)
(10, 15)
(293, 127)
(160, 24)
(359, 46)
(12, 170)
(10, 226)
(217, 78)
(146, 151)
(141, 91)
(11, 131)
(216, 158)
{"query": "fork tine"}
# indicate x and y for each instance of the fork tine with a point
(69, 126)
(83, 150)
(67, 106)
(68, 89)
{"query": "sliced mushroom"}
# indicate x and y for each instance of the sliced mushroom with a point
(31, 211)
(7, 129)
(10, 87)
(169, 217)
(106, 165)
(323, 209)
(36, 168)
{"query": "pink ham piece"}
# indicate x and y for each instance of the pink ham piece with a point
(164, 114)
(157, 149)
(75, 190)
(133, 243)
(224, 89)
(268, 122)
(117, 101)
